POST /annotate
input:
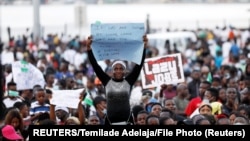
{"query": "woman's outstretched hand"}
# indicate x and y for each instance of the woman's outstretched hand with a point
(89, 42)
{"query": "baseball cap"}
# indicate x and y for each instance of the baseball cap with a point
(9, 132)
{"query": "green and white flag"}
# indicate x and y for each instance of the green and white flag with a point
(209, 77)
(88, 100)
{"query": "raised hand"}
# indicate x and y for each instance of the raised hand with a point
(145, 40)
(89, 42)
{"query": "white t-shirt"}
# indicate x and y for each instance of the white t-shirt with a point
(10, 102)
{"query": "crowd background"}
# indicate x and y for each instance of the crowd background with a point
(216, 90)
(222, 53)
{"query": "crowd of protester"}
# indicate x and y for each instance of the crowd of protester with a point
(222, 99)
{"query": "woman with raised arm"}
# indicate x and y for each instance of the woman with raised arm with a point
(117, 87)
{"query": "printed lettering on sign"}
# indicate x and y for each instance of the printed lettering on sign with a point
(162, 70)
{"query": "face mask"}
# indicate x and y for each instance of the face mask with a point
(13, 93)
(243, 61)
(104, 111)
(79, 81)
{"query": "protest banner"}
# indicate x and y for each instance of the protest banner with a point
(122, 41)
(26, 75)
(166, 69)
(66, 98)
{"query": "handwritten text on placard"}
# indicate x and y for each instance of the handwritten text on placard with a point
(118, 41)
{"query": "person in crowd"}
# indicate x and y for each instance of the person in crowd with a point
(136, 109)
(14, 118)
(61, 114)
(232, 116)
(50, 80)
(152, 120)
(100, 106)
(222, 95)
(8, 133)
(47, 122)
(26, 96)
(180, 99)
(24, 111)
(241, 120)
(223, 121)
(91, 88)
(167, 121)
(39, 106)
(232, 103)
(167, 113)
(167, 91)
(245, 96)
(244, 110)
(118, 87)
(212, 96)
(12, 95)
(196, 118)
(63, 71)
(156, 109)
(72, 120)
(169, 104)
(195, 102)
(205, 109)
(141, 117)
(211, 118)
(203, 121)
(193, 86)
(94, 120)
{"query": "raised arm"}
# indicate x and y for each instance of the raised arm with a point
(81, 112)
(52, 114)
(104, 78)
(132, 77)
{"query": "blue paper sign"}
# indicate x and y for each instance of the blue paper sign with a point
(122, 41)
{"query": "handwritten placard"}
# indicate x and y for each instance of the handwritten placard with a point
(122, 41)
(66, 98)
(166, 69)
(26, 75)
